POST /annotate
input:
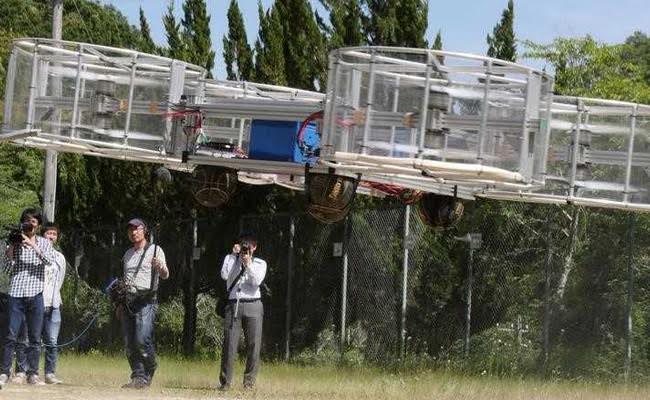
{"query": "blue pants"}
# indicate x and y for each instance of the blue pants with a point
(29, 309)
(137, 328)
(21, 342)
(51, 327)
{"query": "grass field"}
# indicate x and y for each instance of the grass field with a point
(99, 377)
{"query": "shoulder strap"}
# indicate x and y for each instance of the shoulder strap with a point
(144, 253)
(232, 285)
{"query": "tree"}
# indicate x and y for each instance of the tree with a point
(304, 45)
(176, 47)
(637, 51)
(501, 44)
(146, 42)
(237, 52)
(196, 34)
(396, 23)
(346, 23)
(269, 49)
(437, 42)
(584, 67)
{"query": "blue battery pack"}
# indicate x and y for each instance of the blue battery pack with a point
(277, 141)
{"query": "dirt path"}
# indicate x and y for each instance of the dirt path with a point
(72, 392)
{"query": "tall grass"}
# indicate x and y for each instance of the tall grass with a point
(97, 376)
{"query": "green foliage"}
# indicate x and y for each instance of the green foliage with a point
(637, 52)
(396, 23)
(437, 42)
(237, 53)
(346, 23)
(303, 45)
(196, 34)
(270, 64)
(146, 42)
(175, 45)
(501, 44)
(584, 67)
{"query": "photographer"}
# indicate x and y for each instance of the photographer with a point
(143, 264)
(26, 257)
(243, 274)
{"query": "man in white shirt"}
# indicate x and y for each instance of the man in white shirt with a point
(54, 276)
(143, 264)
(243, 274)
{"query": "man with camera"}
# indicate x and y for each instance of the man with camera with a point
(243, 274)
(26, 258)
(143, 264)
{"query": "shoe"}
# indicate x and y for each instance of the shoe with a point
(249, 386)
(4, 379)
(20, 378)
(51, 379)
(35, 380)
(223, 388)
(136, 383)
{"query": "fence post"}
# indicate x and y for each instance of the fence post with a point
(547, 294)
(189, 294)
(474, 240)
(344, 285)
(287, 321)
(630, 290)
(405, 264)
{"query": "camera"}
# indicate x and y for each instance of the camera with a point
(15, 235)
(245, 248)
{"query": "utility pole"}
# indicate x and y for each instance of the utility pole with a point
(50, 169)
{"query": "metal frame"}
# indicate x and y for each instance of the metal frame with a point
(443, 168)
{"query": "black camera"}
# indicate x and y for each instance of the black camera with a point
(245, 248)
(15, 235)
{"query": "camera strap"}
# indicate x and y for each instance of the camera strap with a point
(144, 253)
(234, 283)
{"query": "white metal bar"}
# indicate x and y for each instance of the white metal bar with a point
(425, 106)
(9, 89)
(127, 123)
(75, 104)
(484, 116)
(630, 153)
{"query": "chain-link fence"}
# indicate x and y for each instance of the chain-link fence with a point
(513, 289)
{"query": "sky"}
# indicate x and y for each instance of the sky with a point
(464, 23)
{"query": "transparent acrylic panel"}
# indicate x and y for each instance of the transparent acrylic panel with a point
(20, 94)
(437, 106)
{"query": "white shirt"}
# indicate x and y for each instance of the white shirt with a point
(54, 276)
(249, 284)
(142, 279)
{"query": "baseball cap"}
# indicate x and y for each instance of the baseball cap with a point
(137, 222)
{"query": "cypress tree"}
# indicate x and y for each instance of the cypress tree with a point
(146, 43)
(176, 48)
(269, 49)
(437, 42)
(412, 22)
(346, 21)
(396, 23)
(237, 52)
(304, 45)
(501, 44)
(196, 34)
